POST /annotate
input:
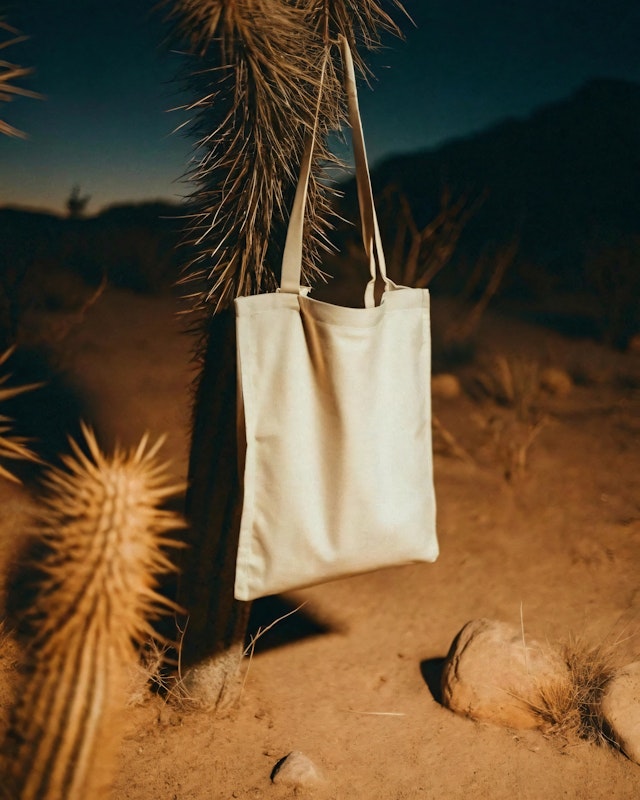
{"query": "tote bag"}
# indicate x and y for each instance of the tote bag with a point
(334, 418)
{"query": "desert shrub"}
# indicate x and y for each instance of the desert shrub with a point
(513, 382)
(512, 417)
(571, 708)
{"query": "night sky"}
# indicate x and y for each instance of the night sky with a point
(108, 85)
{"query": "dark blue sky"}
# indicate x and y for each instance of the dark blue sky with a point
(104, 123)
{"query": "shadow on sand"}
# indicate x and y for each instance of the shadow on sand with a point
(289, 623)
(431, 671)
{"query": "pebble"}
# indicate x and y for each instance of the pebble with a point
(296, 770)
(446, 386)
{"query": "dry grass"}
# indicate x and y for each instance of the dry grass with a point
(571, 709)
(514, 382)
(512, 440)
(513, 385)
(148, 673)
(176, 685)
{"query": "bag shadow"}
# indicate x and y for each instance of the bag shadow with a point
(288, 622)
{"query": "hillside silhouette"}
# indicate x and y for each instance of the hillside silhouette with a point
(133, 245)
(560, 178)
(49, 263)
(564, 182)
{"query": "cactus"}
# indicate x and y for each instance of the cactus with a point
(256, 84)
(104, 535)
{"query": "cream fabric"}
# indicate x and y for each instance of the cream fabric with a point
(335, 421)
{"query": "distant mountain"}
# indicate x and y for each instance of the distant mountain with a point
(133, 245)
(565, 181)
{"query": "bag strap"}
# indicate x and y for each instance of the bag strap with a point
(292, 256)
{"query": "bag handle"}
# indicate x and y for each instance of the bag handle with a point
(292, 256)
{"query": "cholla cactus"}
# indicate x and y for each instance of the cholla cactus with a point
(256, 83)
(105, 534)
(11, 446)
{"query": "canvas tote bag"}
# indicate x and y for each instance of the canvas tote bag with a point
(334, 418)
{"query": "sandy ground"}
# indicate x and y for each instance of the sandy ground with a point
(351, 679)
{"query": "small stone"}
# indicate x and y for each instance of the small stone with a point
(446, 386)
(491, 674)
(556, 381)
(634, 344)
(296, 770)
(620, 708)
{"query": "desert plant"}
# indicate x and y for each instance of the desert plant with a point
(420, 252)
(12, 447)
(571, 708)
(254, 72)
(77, 203)
(104, 536)
(512, 439)
(491, 267)
(515, 419)
(514, 382)
(9, 74)
(256, 84)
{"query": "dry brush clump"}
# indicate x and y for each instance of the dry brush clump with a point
(103, 535)
(513, 386)
(513, 382)
(570, 708)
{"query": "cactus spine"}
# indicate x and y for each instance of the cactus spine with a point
(12, 447)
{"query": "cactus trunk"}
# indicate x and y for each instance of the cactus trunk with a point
(215, 629)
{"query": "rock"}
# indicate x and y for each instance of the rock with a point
(556, 381)
(620, 709)
(296, 770)
(634, 344)
(490, 675)
(214, 684)
(446, 386)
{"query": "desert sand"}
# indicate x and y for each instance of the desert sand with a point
(351, 679)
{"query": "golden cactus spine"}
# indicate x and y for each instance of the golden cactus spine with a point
(105, 534)
(12, 447)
